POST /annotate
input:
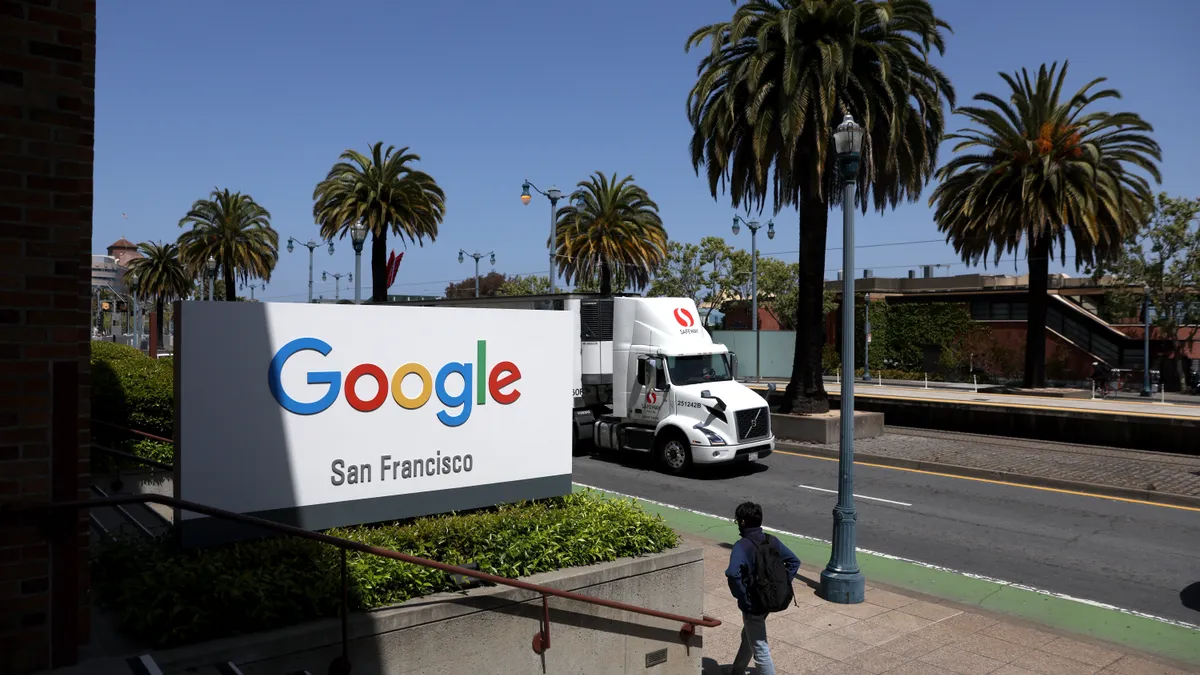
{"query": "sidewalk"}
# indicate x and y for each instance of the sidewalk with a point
(1114, 467)
(896, 632)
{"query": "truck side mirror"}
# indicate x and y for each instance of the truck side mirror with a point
(733, 365)
(641, 372)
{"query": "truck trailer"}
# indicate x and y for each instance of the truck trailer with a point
(649, 378)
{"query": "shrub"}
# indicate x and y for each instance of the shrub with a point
(169, 596)
(132, 390)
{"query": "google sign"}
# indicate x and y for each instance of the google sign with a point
(332, 415)
(494, 383)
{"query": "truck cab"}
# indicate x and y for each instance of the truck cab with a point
(675, 392)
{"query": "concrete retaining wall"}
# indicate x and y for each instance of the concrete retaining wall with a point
(490, 630)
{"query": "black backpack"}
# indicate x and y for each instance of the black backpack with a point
(770, 588)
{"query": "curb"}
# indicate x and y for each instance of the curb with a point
(1152, 496)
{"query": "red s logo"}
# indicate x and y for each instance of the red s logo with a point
(684, 318)
(651, 398)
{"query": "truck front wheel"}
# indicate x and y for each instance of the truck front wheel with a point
(674, 452)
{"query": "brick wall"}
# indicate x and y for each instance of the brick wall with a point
(47, 96)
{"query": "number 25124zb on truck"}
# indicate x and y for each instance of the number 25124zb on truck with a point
(649, 378)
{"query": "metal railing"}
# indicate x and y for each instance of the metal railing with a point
(341, 664)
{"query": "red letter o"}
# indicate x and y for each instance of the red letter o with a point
(352, 380)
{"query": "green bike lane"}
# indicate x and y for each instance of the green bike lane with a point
(1134, 630)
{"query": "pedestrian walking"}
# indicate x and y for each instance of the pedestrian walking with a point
(760, 574)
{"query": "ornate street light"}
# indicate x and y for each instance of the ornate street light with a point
(476, 256)
(358, 234)
(841, 580)
(553, 194)
(311, 246)
(211, 265)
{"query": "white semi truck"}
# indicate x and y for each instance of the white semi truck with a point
(649, 378)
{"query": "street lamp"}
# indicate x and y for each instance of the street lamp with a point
(1146, 340)
(841, 580)
(476, 256)
(553, 194)
(212, 277)
(337, 283)
(754, 227)
(262, 285)
(311, 246)
(358, 234)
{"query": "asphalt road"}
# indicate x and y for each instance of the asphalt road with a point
(1133, 556)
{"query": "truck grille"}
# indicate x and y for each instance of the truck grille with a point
(753, 423)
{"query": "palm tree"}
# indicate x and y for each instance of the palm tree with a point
(611, 224)
(779, 78)
(235, 230)
(387, 195)
(1042, 168)
(160, 276)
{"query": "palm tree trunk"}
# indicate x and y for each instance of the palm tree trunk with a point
(379, 266)
(230, 284)
(805, 393)
(1035, 332)
(605, 279)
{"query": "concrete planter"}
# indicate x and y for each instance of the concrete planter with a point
(490, 630)
(825, 429)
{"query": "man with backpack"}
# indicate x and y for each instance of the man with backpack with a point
(760, 574)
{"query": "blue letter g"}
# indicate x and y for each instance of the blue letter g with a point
(330, 377)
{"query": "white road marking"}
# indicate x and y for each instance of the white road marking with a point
(856, 495)
(980, 577)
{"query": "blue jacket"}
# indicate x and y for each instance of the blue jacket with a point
(741, 565)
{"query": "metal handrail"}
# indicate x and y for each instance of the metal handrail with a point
(541, 639)
(135, 432)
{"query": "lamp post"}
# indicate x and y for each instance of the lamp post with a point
(867, 338)
(553, 194)
(477, 256)
(337, 283)
(1146, 340)
(841, 580)
(212, 277)
(137, 333)
(754, 227)
(311, 246)
(262, 285)
(358, 234)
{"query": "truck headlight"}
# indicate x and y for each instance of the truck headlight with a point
(713, 438)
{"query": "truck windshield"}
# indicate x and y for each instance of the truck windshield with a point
(698, 368)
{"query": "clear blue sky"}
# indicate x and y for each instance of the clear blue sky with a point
(261, 97)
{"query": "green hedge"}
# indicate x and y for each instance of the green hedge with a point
(167, 596)
(132, 390)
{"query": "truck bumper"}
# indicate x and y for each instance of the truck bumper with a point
(717, 454)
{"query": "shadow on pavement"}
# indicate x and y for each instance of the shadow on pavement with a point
(1190, 596)
(646, 461)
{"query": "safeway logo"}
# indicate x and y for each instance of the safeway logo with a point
(684, 318)
(652, 398)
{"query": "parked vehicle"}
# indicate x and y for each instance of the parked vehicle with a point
(649, 378)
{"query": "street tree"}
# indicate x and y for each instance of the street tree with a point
(388, 195)
(1042, 168)
(234, 230)
(1162, 259)
(778, 79)
(681, 275)
(530, 284)
(610, 224)
(489, 285)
